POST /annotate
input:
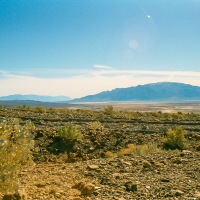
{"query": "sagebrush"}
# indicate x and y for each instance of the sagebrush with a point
(175, 138)
(16, 142)
(70, 132)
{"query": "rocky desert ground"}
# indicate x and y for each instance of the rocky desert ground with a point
(121, 155)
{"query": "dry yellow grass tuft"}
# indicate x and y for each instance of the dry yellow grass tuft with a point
(109, 154)
(127, 151)
(140, 149)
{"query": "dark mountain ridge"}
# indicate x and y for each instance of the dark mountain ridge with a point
(162, 91)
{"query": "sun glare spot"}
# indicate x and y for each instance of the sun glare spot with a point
(133, 44)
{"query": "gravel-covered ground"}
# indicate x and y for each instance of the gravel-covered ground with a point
(93, 168)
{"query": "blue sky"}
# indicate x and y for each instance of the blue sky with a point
(48, 46)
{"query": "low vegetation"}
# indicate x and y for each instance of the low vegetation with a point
(70, 132)
(95, 126)
(175, 138)
(108, 110)
(109, 139)
(16, 143)
(140, 150)
(40, 109)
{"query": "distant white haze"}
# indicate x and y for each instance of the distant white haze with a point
(79, 83)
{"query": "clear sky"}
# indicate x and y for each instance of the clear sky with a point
(81, 47)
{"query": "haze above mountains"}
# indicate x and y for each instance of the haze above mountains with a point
(162, 91)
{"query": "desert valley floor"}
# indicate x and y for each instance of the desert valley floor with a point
(120, 156)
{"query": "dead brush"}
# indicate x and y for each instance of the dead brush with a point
(127, 151)
(145, 149)
(139, 150)
(109, 154)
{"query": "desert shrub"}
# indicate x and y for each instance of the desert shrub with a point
(16, 142)
(127, 151)
(109, 154)
(40, 109)
(145, 149)
(53, 110)
(69, 132)
(65, 110)
(24, 108)
(108, 110)
(96, 125)
(175, 138)
(139, 150)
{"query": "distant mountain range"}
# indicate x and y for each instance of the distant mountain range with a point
(162, 91)
(35, 98)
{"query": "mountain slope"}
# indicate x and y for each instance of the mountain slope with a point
(35, 98)
(162, 91)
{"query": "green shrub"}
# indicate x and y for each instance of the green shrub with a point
(53, 110)
(16, 142)
(40, 109)
(70, 132)
(146, 149)
(94, 126)
(108, 110)
(175, 138)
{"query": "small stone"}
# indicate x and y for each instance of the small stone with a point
(165, 180)
(117, 175)
(177, 160)
(158, 164)
(187, 152)
(40, 184)
(87, 189)
(128, 163)
(146, 164)
(97, 188)
(134, 162)
(197, 195)
(131, 187)
(92, 148)
(93, 167)
(78, 185)
(177, 192)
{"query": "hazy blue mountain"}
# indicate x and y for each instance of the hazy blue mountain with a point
(35, 98)
(162, 91)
